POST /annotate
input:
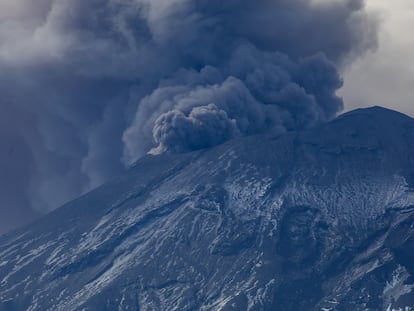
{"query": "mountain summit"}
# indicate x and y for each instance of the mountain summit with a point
(313, 220)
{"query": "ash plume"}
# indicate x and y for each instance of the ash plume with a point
(90, 86)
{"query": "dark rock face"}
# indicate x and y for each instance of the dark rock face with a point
(318, 220)
(302, 237)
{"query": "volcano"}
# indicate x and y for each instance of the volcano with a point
(321, 219)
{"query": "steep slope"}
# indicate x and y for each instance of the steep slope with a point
(317, 220)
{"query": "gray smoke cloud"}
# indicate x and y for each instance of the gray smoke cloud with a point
(88, 87)
(255, 92)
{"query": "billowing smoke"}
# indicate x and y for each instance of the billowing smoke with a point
(254, 92)
(88, 87)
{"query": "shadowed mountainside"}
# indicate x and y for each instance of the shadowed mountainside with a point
(313, 220)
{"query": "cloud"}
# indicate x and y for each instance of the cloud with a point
(93, 85)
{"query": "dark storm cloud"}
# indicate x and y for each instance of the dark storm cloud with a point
(88, 86)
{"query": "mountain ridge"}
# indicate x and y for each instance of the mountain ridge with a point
(307, 219)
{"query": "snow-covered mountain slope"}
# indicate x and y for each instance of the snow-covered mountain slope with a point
(317, 220)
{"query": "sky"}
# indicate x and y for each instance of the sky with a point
(387, 75)
(89, 87)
